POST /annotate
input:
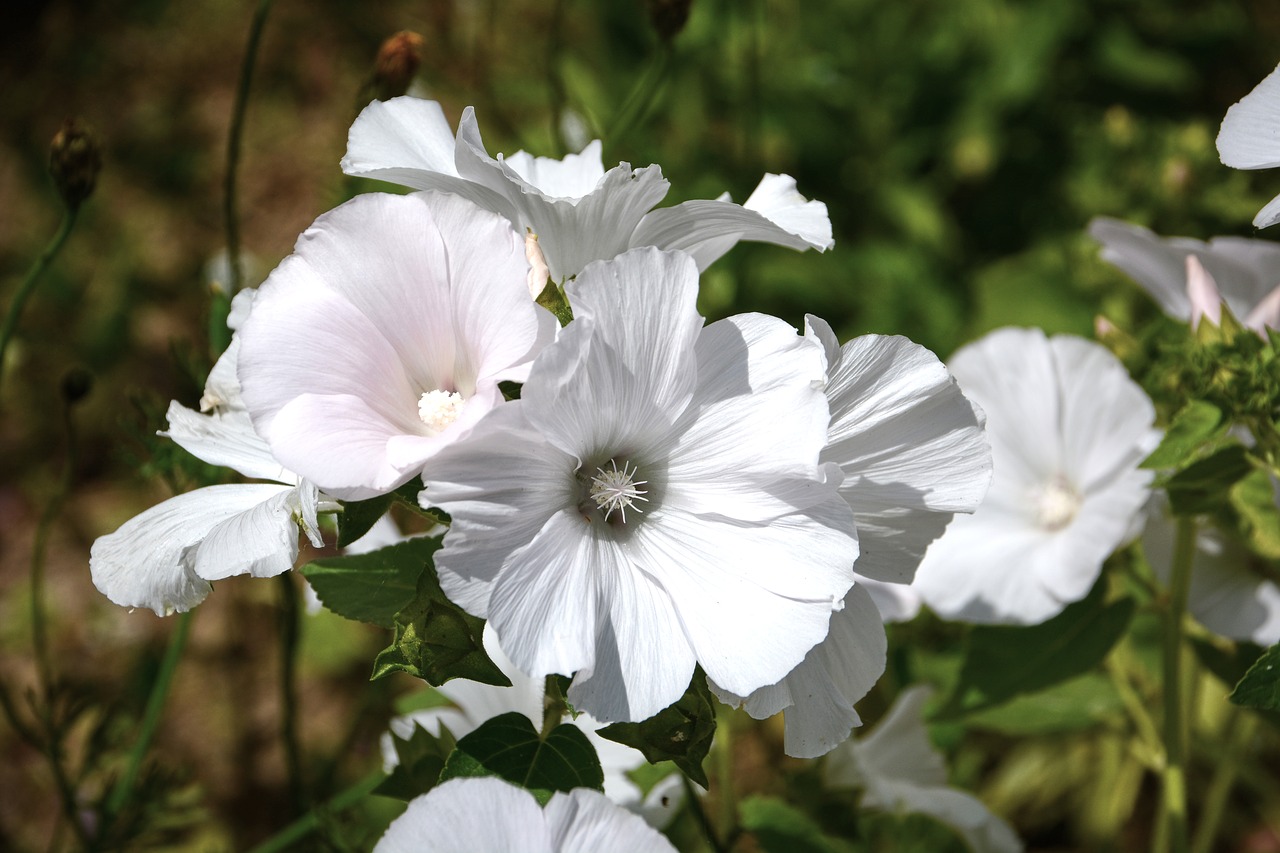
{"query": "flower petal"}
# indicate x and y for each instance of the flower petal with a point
(1250, 133)
(261, 541)
(226, 439)
(479, 815)
(585, 821)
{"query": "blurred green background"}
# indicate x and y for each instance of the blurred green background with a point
(961, 148)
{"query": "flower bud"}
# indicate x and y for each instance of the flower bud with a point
(76, 385)
(668, 16)
(397, 62)
(75, 158)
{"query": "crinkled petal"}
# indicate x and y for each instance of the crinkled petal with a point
(484, 815)
(1250, 133)
(226, 439)
(261, 541)
(585, 821)
(144, 563)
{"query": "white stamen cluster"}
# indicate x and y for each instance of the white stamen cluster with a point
(617, 490)
(1056, 504)
(438, 409)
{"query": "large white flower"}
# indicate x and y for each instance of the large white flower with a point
(653, 500)
(1250, 137)
(384, 336)
(900, 771)
(473, 703)
(1068, 428)
(165, 557)
(579, 212)
(488, 815)
(1244, 273)
(913, 453)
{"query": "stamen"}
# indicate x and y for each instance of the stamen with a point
(438, 409)
(617, 490)
(1056, 504)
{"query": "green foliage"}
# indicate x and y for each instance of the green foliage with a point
(1253, 497)
(358, 517)
(509, 747)
(1193, 426)
(1077, 704)
(1204, 486)
(780, 828)
(680, 733)
(1003, 661)
(422, 757)
(1260, 687)
(373, 587)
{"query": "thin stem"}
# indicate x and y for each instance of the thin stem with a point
(151, 716)
(1148, 733)
(1174, 795)
(553, 705)
(694, 799)
(28, 285)
(1240, 727)
(289, 625)
(230, 215)
(310, 822)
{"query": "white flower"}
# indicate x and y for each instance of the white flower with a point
(1068, 428)
(1230, 595)
(1244, 273)
(1250, 137)
(740, 549)
(913, 454)
(165, 557)
(473, 703)
(488, 815)
(900, 771)
(578, 211)
(384, 336)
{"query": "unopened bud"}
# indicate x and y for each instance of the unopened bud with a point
(75, 158)
(76, 385)
(397, 63)
(538, 272)
(668, 16)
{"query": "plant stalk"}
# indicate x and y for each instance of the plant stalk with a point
(32, 278)
(1174, 787)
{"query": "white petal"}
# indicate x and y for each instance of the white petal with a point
(1269, 215)
(144, 564)
(572, 177)
(222, 388)
(982, 831)
(1250, 134)
(896, 602)
(261, 541)
(897, 749)
(226, 439)
(585, 821)
(484, 815)
(1202, 293)
(1266, 314)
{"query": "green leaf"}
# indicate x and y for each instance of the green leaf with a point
(359, 516)
(421, 757)
(1203, 487)
(1003, 661)
(1228, 661)
(508, 747)
(1260, 687)
(781, 828)
(680, 733)
(372, 587)
(437, 640)
(1195, 424)
(1254, 498)
(1081, 703)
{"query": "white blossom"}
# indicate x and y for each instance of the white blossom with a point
(1250, 137)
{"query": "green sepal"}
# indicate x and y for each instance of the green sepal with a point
(1203, 486)
(1004, 661)
(1195, 424)
(680, 733)
(372, 587)
(437, 640)
(422, 757)
(553, 299)
(509, 747)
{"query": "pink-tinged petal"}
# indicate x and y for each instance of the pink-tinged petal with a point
(753, 598)
(1250, 133)
(226, 439)
(484, 815)
(1266, 314)
(145, 562)
(586, 821)
(1202, 293)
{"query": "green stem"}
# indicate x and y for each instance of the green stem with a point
(289, 625)
(233, 145)
(151, 716)
(28, 285)
(640, 100)
(1174, 793)
(310, 822)
(1240, 727)
(554, 705)
(694, 799)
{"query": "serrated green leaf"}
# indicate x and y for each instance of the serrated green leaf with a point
(1260, 687)
(437, 640)
(509, 747)
(372, 587)
(1204, 486)
(781, 828)
(1003, 661)
(1195, 424)
(421, 757)
(680, 733)
(1254, 498)
(358, 517)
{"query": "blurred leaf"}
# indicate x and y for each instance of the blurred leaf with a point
(780, 828)
(1192, 426)
(1202, 487)
(680, 733)
(372, 587)
(1254, 498)
(508, 747)
(1260, 687)
(1003, 661)
(437, 640)
(1229, 664)
(1074, 705)
(422, 757)
(359, 516)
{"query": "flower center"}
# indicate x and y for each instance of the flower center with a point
(1055, 504)
(438, 409)
(618, 490)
